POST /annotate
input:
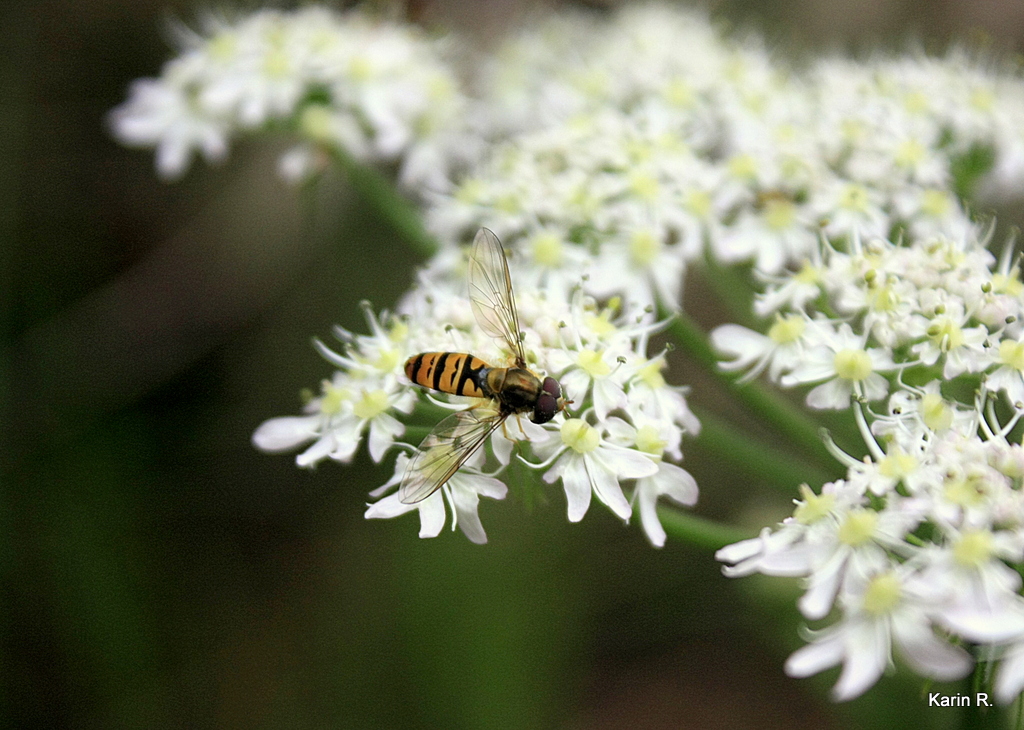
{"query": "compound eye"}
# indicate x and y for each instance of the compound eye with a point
(552, 388)
(546, 408)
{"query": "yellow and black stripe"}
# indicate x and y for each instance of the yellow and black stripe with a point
(449, 372)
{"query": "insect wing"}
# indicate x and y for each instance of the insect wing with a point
(444, 450)
(490, 291)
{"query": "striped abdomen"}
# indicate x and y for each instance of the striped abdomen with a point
(449, 372)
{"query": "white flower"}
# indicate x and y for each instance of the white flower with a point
(373, 90)
(462, 494)
(778, 351)
(641, 267)
(1009, 376)
(338, 420)
(588, 465)
(597, 367)
(795, 291)
(669, 481)
(783, 552)
(841, 358)
(774, 234)
(851, 208)
(164, 113)
(1010, 679)
(882, 606)
(946, 336)
(597, 353)
(650, 395)
(655, 438)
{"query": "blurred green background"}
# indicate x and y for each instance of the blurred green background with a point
(157, 571)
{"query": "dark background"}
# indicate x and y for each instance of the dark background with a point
(157, 571)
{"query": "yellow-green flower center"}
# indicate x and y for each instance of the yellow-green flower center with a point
(399, 331)
(508, 203)
(967, 490)
(897, 463)
(982, 99)
(743, 167)
(852, 365)
(916, 102)
(440, 88)
(858, 527)
(276, 64)
(360, 68)
(547, 250)
(779, 214)
(936, 203)
(974, 548)
(698, 202)
(222, 46)
(592, 362)
(882, 297)
(910, 153)
(1012, 353)
(387, 360)
(808, 274)
(332, 399)
(601, 324)
(946, 333)
(644, 248)
(787, 329)
(679, 93)
(470, 191)
(651, 375)
(649, 441)
(583, 200)
(644, 186)
(882, 594)
(315, 123)
(580, 435)
(936, 412)
(852, 130)
(814, 506)
(593, 83)
(1009, 283)
(372, 404)
(854, 198)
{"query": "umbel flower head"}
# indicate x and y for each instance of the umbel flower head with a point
(626, 422)
(915, 547)
(612, 156)
(379, 91)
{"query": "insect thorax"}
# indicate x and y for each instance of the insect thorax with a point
(515, 388)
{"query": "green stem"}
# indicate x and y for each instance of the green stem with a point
(732, 288)
(382, 196)
(768, 406)
(761, 461)
(698, 531)
(975, 716)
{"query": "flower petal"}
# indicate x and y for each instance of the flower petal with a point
(866, 647)
(576, 482)
(284, 434)
(606, 485)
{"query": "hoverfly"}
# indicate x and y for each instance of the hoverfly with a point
(513, 389)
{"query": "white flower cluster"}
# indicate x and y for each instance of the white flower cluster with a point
(379, 91)
(917, 545)
(609, 156)
(625, 423)
(652, 139)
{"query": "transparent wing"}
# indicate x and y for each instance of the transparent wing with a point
(444, 450)
(490, 291)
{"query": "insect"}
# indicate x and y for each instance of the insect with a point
(512, 389)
